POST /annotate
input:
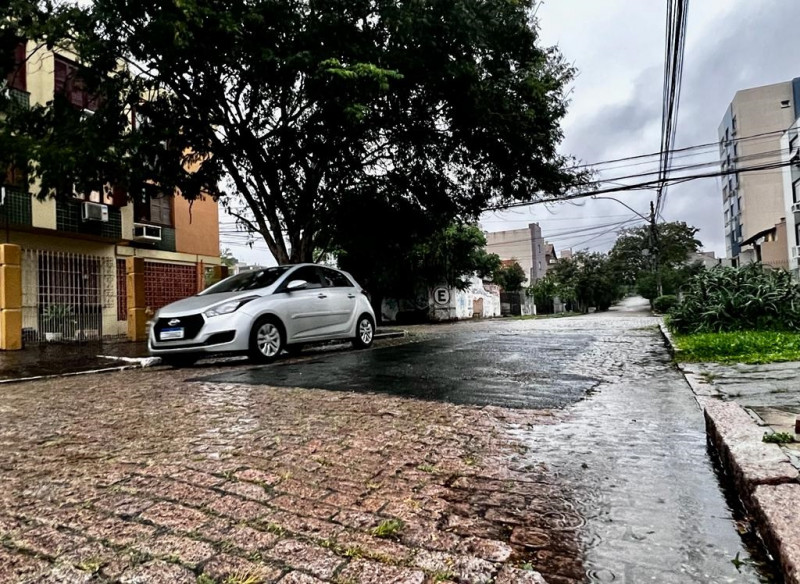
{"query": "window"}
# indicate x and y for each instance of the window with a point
(17, 79)
(796, 191)
(797, 233)
(733, 124)
(68, 83)
(785, 103)
(247, 281)
(308, 273)
(333, 279)
(153, 206)
(793, 143)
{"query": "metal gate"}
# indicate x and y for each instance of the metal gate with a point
(68, 296)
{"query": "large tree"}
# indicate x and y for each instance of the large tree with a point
(295, 110)
(637, 250)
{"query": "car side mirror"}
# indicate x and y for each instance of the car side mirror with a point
(296, 285)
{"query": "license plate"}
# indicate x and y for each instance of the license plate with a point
(169, 334)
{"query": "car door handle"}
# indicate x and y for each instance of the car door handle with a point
(351, 295)
(320, 295)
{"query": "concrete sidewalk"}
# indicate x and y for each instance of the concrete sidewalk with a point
(53, 359)
(60, 358)
(741, 404)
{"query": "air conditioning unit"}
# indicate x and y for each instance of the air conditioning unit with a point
(142, 232)
(94, 212)
(796, 207)
(796, 251)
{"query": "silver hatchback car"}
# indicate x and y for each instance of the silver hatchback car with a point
(263, 312)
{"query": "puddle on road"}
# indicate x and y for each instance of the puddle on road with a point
(641, 495)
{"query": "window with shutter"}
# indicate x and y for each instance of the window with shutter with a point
(161, 210)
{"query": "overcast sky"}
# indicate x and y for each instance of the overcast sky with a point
(618, 49)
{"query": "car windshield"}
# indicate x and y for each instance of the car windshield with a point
(247, 281)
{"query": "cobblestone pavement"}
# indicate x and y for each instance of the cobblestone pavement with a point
(145, 477)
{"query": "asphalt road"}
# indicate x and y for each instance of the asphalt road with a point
(493, 366)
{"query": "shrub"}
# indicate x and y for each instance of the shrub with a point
(664, 304)
(734, 299)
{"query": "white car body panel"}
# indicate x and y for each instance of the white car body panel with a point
(307, 315)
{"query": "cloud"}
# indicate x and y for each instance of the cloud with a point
(616, 109)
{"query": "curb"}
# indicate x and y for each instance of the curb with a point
(763, 475)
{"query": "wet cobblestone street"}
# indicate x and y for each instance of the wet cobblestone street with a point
(144, 476)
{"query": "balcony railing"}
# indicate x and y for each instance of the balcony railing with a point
(20, 99)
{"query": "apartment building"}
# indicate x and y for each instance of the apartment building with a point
(790, 149)
(526, 246)
(753, 202)
(74, 251)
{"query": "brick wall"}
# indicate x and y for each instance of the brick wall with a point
(165, 283)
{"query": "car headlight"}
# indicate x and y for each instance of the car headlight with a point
(228, 307)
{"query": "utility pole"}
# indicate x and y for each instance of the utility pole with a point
(654, 248)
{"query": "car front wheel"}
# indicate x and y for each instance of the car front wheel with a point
(266, 340)
(365, 332)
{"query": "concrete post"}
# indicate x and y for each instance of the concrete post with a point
(137, 319)
(201, 276)
(10, 297)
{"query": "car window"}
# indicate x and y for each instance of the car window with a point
(247, 281)
(333, 279)
(308, 273)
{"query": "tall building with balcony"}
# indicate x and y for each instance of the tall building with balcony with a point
(753, 202)
(790, 149)
(74, 249)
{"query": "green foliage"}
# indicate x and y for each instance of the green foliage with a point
(227, 258)
(510, 278)
(388, 528)
(408, 258)
(739, 347)
(58, 318)
(543, 293)
(587, 280)
(298, 114)
(633, 252)
(664, 304)
(673, 279)
(778, 438)
(733, 299)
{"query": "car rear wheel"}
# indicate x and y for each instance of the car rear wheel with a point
(365, 332)
(266, 340)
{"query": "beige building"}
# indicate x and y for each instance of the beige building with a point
(753, 202)
(526, 246)
(74, 249)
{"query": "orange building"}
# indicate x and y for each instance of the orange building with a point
(74, 252)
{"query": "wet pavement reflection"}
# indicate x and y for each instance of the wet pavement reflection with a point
(516, 369)
(633, 493)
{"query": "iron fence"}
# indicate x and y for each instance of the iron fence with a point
(68, 297)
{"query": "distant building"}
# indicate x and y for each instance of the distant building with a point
(551, 259)
(566, 254)
(526, 246)
(753, 202)
(790, 147)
